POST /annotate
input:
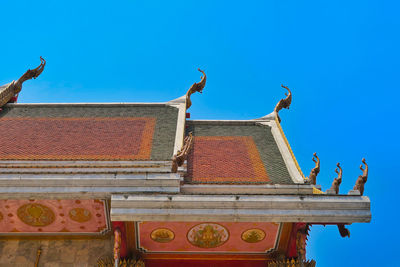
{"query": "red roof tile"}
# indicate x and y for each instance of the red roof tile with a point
(114, 138)
(225, 159)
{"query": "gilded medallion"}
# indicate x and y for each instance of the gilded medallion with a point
(34, 214)
(162, 235)
(208, 235)
(253, 235)
(80, 215)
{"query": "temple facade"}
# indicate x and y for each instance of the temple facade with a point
(139, 184)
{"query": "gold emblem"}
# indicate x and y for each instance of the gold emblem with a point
(208, 235)
(253, 235)
(80, 215)
(1, 216)
(36, 214)
(162, 235)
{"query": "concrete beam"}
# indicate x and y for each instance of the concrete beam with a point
(241, 208)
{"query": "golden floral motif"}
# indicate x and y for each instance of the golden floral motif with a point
(80, 215)
(253, 235)
(34, 214)
(162, 235)
(208, 235)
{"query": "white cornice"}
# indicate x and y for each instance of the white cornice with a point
(286, 155)
(180, 104)
(241, 208)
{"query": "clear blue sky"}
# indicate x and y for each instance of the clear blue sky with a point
(340, 58)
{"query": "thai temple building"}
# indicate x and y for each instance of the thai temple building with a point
(140, 184)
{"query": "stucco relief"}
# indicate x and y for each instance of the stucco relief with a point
(208, 235)
(34, 214)
(253, 235)
(162, 235)
(53, 216)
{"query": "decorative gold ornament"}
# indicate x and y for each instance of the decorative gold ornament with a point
(312, 178)
(253, 235)
(181, 155)
(1, 216)
(292, 263)
(80, 215)
(208, 235)
(39, 251)
(196, 87)
(283, 103)
(110, 262)
(34, 214)
(162, 235)
(362, 179)
(8, 91)
(337, 181)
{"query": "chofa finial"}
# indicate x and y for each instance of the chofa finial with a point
(13, 88)
(181, 155)
(283, 103)
(362, 179)
(196, 87)
(337, 181)
(29, 74)
(312, 178)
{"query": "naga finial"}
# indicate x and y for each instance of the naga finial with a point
(29, 74)
(312, 178)
(12, 89)
(337, 181)
(196, 87)
(362, 179)
(181, 155)
(283, 103)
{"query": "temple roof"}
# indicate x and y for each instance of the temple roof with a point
(234, 153)
(88, 131)
(138, 156)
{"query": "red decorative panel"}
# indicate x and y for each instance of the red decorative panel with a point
(68, 216)
(76, 138)
(192, 237)
(225, 159)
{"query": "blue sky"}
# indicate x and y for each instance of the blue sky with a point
(340, 58)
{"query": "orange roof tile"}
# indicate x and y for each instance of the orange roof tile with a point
(225, 159)
(90, 138)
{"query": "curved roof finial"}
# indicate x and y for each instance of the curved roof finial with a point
(362, 179)
(312, 178)
(283, 103)
(337, 181)
(29, 74)
(10, 90)
(196, 87)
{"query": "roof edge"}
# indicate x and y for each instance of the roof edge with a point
(84, 104)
